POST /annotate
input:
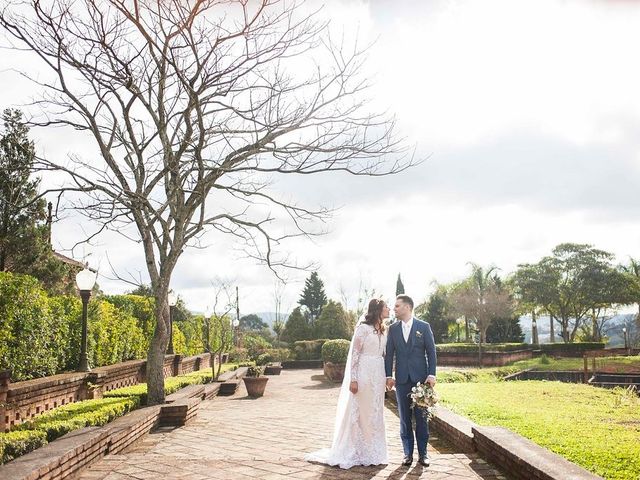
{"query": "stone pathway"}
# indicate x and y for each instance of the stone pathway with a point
(241, 438)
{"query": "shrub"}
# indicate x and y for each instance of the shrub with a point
(255, 345)
(18, 443)
(61, 420)
(335, 351)
(333, 322)
(308, 349)
(238, 355)
(27, 340)
(264, 359)
(575, 349)
(279, 354)
(544, 359)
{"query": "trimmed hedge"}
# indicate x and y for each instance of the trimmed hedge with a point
(61, 420)
(570, 349)
(486, 347)
(308, 349)
(17, 443)
(335, 351)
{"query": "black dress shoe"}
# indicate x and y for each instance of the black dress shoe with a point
(423, 460)
(407, 460)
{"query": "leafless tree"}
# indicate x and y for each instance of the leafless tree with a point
(278, 294)
(483, 298)
(196, 107)
(221, 327)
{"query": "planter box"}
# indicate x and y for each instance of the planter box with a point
(334, 371)
(273, 369)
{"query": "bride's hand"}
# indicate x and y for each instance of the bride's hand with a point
(353, 387)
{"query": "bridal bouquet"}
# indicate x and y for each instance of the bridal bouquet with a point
(424, 397)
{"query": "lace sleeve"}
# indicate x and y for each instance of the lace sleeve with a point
(358, 344)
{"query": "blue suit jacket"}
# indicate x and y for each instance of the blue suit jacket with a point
(415, 359)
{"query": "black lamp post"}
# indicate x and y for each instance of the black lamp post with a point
(85, 280)
(534, 332)
(172, 299)
(459, 322)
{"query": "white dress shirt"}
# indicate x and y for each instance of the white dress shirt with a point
(406, 329)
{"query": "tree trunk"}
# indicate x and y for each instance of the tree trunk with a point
(155, 358)
(552, 334)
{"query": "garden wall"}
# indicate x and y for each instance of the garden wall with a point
(489, 359)
(22, 401)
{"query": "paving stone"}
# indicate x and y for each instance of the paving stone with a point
(235, 438)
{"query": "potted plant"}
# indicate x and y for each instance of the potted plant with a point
(334, 356)
(255, 382)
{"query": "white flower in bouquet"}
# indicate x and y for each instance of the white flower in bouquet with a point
(424, 397)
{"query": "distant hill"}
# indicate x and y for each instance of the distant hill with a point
(270, 317)
(612, 329)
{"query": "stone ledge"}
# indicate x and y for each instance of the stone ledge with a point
(523, 458)
(179, 412)
(61, 458)
(189, 391)
(455, 428)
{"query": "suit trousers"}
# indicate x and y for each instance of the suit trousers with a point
(406, 428)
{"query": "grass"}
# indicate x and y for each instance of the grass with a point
(596, 428)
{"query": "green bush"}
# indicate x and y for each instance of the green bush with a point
(308, 349)
(16, 444)
(139, 307)
(114, 335)
(544, 359)
(61, 420)
(255, 345)
(279, 354)
(335, 351)
(238, 355)
(264, 359)
(487, 347)
(28, 341)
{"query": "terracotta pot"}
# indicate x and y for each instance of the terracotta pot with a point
(334, 371)
(255, 385)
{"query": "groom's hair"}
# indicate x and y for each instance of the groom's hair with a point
(406, 299)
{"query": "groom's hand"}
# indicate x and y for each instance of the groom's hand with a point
(431, 380)
(390, 383)
(353, 387)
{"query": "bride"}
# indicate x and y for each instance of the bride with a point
(359, 433)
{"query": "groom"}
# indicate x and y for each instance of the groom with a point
(411, 342)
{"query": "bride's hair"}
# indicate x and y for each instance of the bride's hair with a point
(374, 315)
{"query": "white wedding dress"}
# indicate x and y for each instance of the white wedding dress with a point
(359, 433)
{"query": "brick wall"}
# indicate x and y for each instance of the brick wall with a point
(489, 359)
(22, 401)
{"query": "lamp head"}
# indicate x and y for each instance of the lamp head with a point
(172, 298)
(85, 280)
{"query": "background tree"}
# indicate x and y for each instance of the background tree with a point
(195, 109)
(632, 270)
(252, 322)
(297, 327)
(220, 329)
(24, 235)
(333, 322)
(313, 296)
(439, 313)
(570, 285)
(484, 298)
(399, 286)
(505, 330)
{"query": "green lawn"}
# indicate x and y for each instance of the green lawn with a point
(596, 428)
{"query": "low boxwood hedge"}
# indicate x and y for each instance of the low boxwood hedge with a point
(59, 421)
(308, 349)
(18, 443)
(570, 349)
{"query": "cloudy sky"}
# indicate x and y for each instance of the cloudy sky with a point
(527, 115)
